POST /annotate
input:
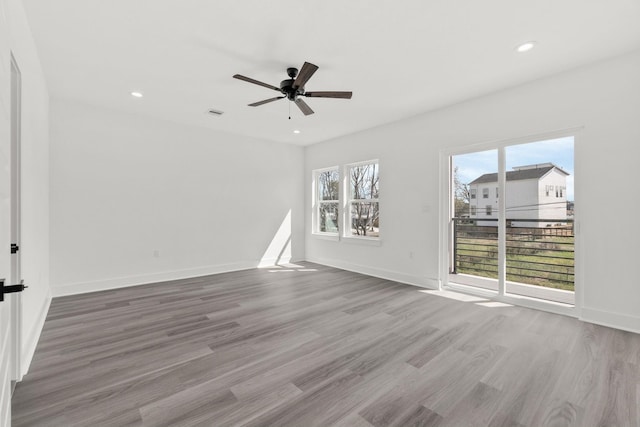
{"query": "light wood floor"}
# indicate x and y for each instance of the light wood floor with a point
(316, 346)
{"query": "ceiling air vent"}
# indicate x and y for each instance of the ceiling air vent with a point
(213, 112)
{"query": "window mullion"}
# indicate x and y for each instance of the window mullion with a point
(502, 228)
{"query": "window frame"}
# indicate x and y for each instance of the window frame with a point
(348, 201)
(446, 155)
(317, 203)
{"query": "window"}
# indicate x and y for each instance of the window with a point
(473, 210)
(557, 191)
(489, 210)
(547, 188)
(327, 184)
(485, 193)
(473, 193)
(363, 205)
(497, 193)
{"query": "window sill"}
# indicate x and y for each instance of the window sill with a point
(367, 241)
(326, 236)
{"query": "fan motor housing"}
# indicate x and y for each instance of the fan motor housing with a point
(286, 86)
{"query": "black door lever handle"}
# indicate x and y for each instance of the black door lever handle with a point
(10, 289)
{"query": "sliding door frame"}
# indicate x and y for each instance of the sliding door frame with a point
(446, 210)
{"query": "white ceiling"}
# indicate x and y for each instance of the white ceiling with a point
(400, 58)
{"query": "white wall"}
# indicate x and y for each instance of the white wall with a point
(604, 98)
(15, 37)
(137, 200)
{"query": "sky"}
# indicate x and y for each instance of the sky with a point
(557, 151)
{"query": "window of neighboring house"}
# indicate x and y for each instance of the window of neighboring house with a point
(489, 210)
(485, 193)
(363, 204)
(557, 191)
(473, 210)
(497, 192)
(327, 186)
(561, 190)
(473, 193)
(546, 190)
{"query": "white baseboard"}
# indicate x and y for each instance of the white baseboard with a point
(30, 344)
(143, 279)
(5, 372)
(396, 276)
(612, 320)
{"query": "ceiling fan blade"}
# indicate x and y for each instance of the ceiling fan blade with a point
(266, 101)
(344, 95)
(303, 107)
(305, 74)
(255, 82)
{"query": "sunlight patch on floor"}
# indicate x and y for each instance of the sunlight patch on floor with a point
(455, 296)
(290, 267)
(483, 302)
(494, 304)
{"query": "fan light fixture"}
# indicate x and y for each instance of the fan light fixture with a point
(296, 131)
(525, 47)
(137, 94)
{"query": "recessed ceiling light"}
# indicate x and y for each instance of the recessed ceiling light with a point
(524, 47)
(136, 94)
(296, 131)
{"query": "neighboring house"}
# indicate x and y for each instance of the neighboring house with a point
(533, 192)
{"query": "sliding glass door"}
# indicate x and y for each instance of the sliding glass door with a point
(511, 223)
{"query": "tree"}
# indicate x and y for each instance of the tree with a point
(328, 185)
(462, 195)
(328, 190)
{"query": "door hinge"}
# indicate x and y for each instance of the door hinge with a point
(10, 289)
(14, 248)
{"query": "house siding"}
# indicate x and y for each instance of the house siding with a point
(526, 199)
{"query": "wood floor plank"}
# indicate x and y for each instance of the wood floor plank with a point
(310, 345)
(481, 400)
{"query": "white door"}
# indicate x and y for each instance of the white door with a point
(9, 256)
(16, 272)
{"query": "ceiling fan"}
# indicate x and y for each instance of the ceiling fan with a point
(293, 88)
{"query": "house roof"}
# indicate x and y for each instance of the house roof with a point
(520, 174)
